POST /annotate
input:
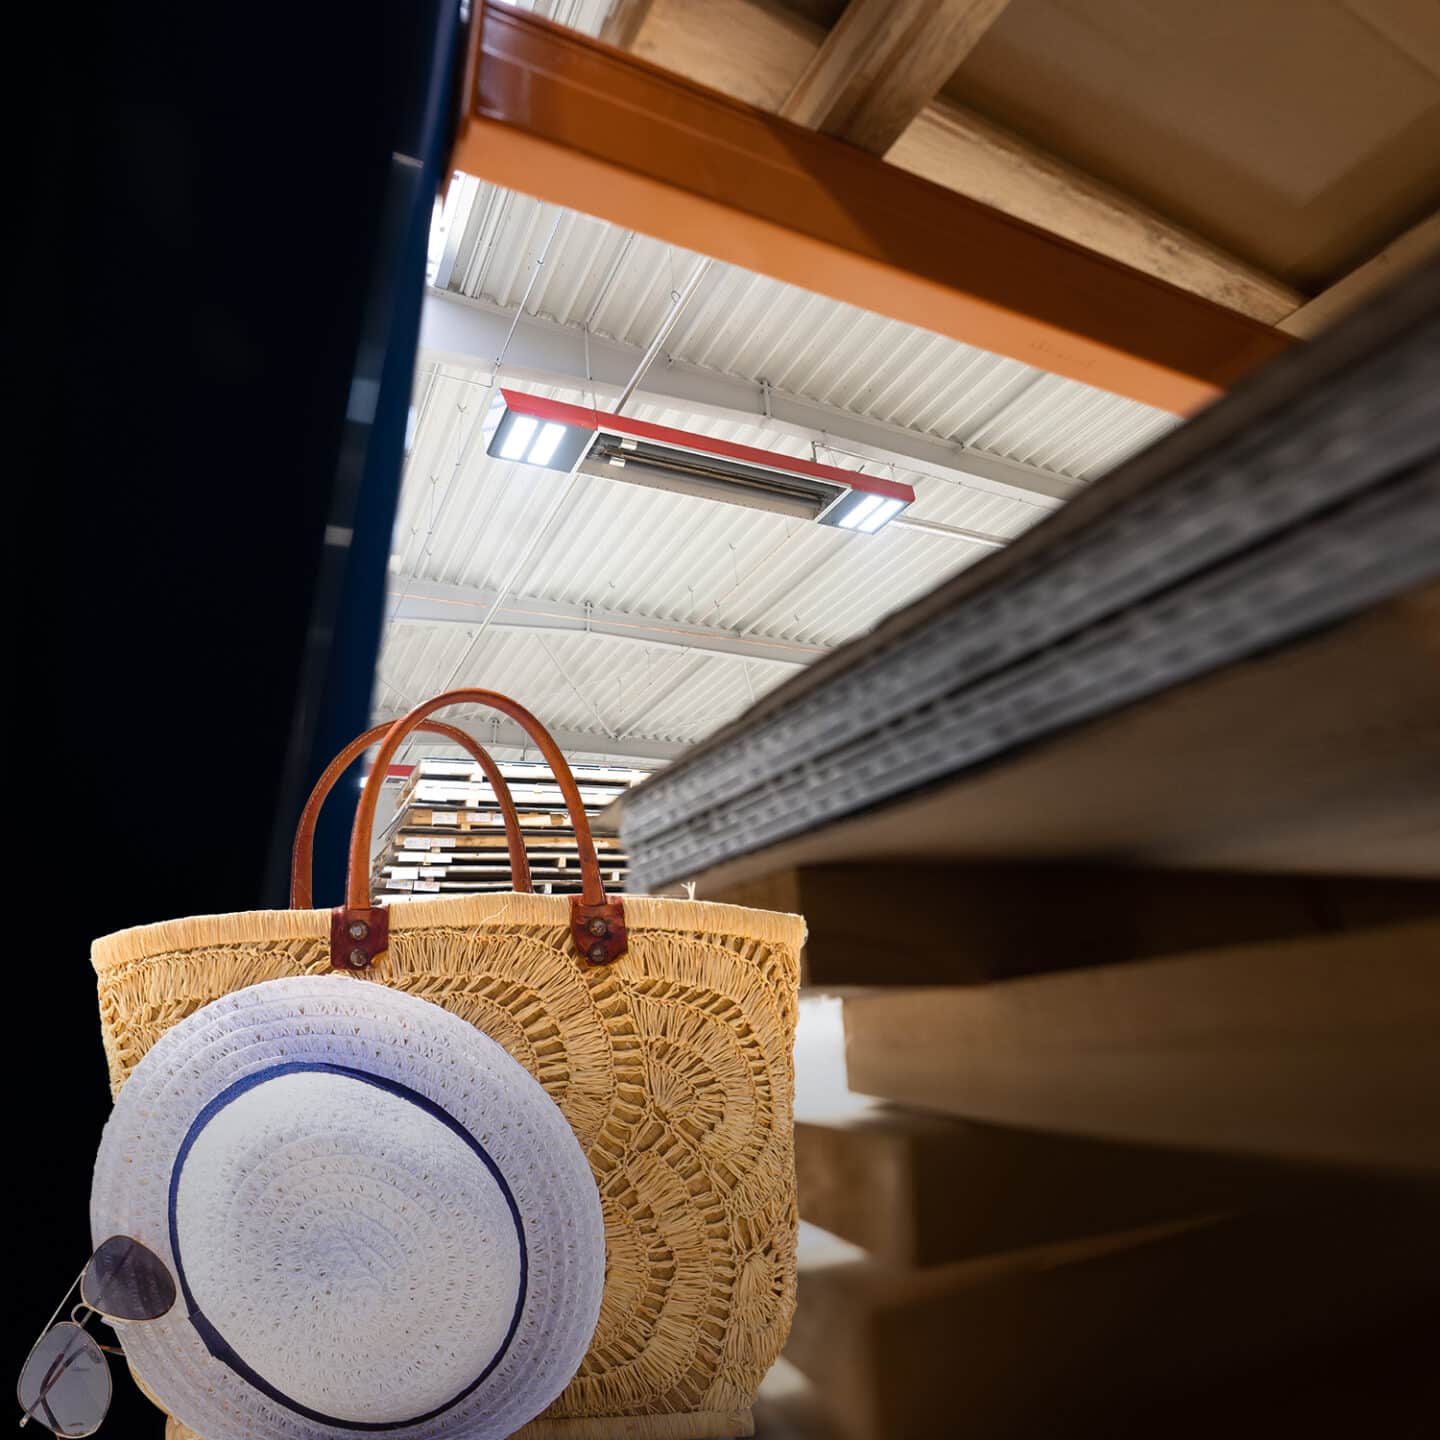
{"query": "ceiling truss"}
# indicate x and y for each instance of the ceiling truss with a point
(427, 602)
(474, 333)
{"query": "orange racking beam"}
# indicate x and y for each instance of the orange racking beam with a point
(566, 119)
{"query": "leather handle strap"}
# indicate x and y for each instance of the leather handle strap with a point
(302, 852)
(597, 923)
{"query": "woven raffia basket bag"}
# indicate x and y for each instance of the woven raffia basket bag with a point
(664, 1031)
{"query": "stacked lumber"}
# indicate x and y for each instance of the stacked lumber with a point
(1109, 1200)
(1122, 848)
(1118, 1334)
(447, 836)
(1323, 1050)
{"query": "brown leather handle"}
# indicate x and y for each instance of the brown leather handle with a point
(597, 924)
(301, 861)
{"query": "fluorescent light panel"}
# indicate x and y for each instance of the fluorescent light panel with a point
(534, 439)
(543, 450)
(518, 438)
(883, 513)
(858, 512)
(863, 512)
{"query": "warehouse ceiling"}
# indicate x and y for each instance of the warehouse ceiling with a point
(636, 621)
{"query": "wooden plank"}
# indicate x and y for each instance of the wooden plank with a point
(1413, 248)
(1114, 1335)
(921, 922)
(566, 119)
(542, 826)
(1317, 758)
(766, 48)
(1324, 1050)
(539, 843)
(438, 767)
(916, 1190)
(959, 148)
(882, 62)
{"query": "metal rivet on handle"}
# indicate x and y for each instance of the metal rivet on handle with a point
(358, 929)
(597, 955)
(599, 927)
(359, 960)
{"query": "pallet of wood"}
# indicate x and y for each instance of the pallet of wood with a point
(447, 836)
(1106, 1201)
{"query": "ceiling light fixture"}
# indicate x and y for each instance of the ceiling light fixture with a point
(518, 437)
(543, 450)
(560, 436)
(521, 427)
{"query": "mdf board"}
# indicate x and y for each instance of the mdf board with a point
(1324, 1050)
(914, 1189)
(1085, 1339)
(922, 922)
(1301, 137)
(1322, 758)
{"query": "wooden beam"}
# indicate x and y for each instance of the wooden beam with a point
(919, 1190)
(920, 922)
(561, 117)
(1412, 248)
(959, 148)
(882, 63)
(625, 21)
(757, 50)
(1317, 1050)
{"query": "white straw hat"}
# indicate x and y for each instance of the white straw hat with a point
(377, 1220)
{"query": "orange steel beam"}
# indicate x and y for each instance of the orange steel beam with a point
(569, 120)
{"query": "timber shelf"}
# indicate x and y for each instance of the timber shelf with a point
(447, 836)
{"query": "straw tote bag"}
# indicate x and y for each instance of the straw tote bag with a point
(664, 1031)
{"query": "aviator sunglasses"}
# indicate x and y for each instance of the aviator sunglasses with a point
(65, 1384)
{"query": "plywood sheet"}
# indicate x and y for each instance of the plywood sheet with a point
(1300, 136)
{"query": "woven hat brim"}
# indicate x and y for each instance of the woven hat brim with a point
(399, 1038)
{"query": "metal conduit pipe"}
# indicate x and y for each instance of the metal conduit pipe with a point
(540, 260)
(663, 333)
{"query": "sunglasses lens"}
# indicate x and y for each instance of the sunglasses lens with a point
(125, 1281)
(65, 1384)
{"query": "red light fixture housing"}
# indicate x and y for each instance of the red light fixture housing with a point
(557, 436)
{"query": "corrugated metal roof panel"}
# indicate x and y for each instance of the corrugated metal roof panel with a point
(466, 519)
(747, 325)
(587, 683)
(1070, 429)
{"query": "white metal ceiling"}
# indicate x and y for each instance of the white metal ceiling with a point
(745, 325)
(464, 518)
